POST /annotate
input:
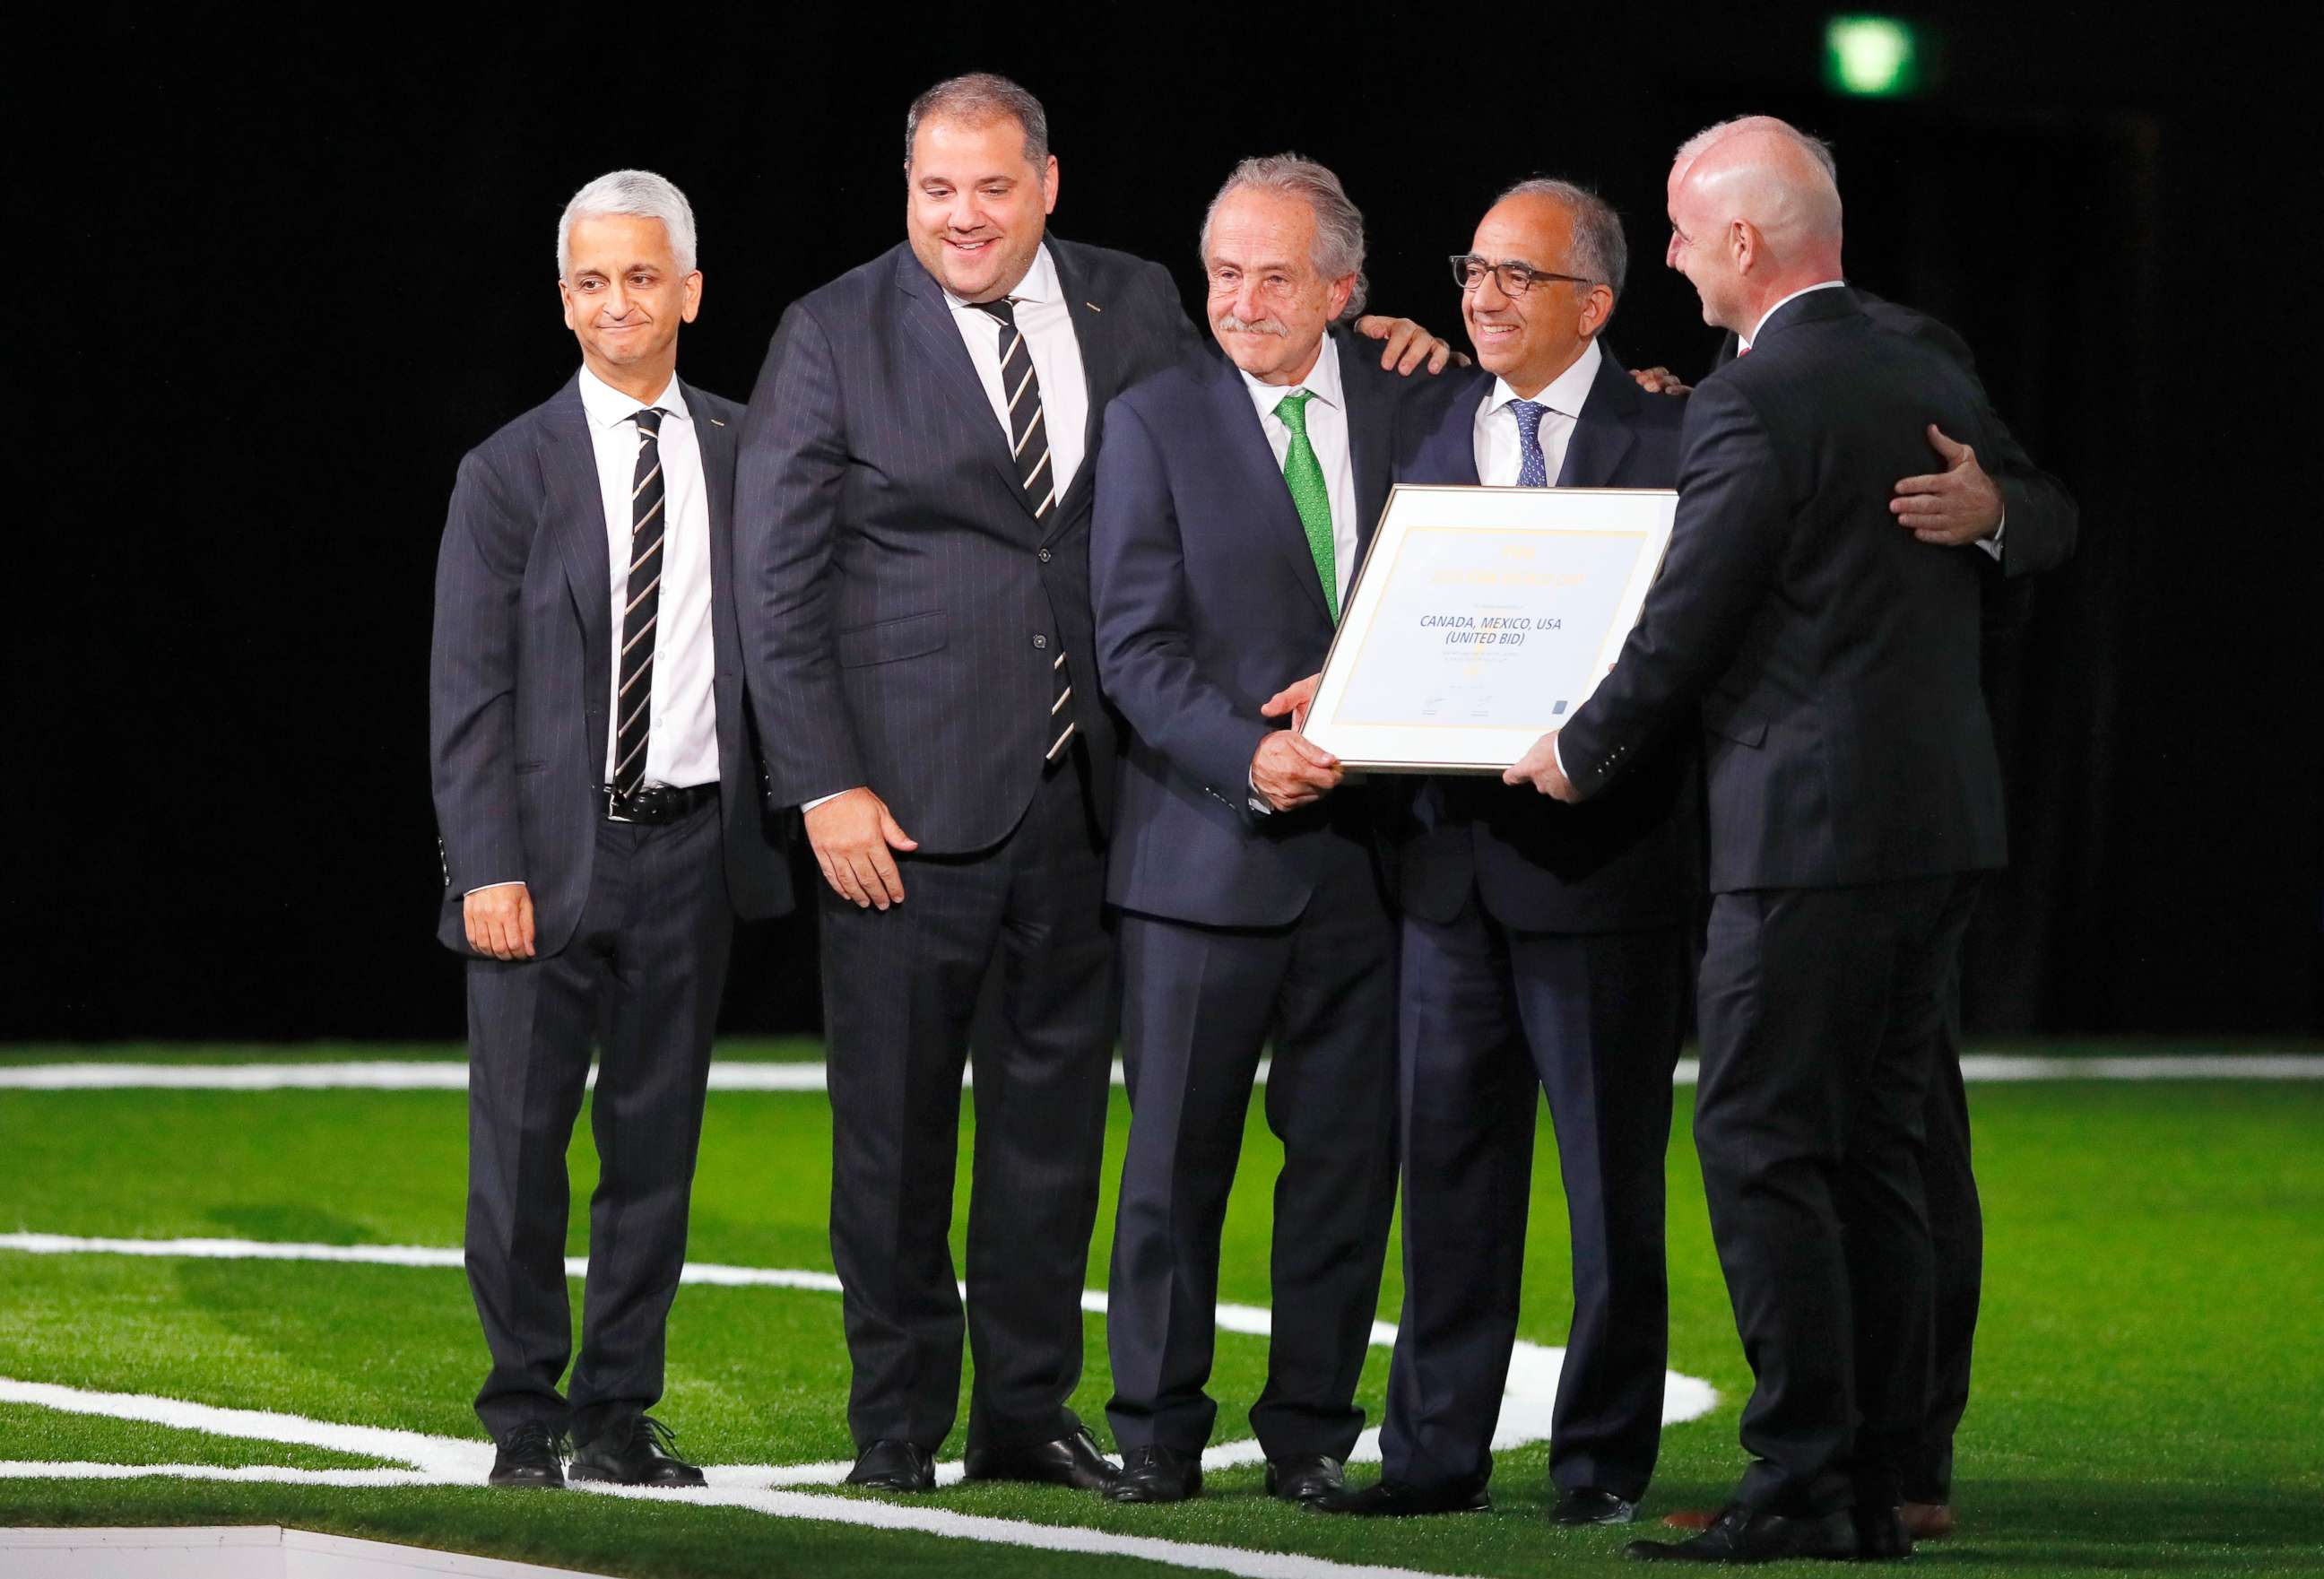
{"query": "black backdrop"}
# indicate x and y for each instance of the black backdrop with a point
(274, 281)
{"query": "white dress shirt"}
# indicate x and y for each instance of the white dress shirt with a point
(1047, 325)
(682, 728)
(1327, 432)
(1500, 453)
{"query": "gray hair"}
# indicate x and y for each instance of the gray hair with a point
(1600, 252)
(1818, 149)
(977, 99)
(1339, 248)
(638, 192)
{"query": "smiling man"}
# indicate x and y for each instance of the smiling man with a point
(597, 798)
(1234, 501)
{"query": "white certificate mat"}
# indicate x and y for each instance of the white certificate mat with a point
(1481, 619)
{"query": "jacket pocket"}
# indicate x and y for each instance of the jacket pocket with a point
(1730, 718)
(906, 636)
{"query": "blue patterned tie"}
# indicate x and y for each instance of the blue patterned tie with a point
(1533, 469)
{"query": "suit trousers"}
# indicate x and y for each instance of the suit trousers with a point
(1008, 949)
(641, 979)
(1957, 1234)
(1491, 1015)
(1200, 1005)
(1822, 1013)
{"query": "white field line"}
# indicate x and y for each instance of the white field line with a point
(1525, 1405)
(408, 1075)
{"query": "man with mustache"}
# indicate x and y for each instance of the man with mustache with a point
(1234, 501)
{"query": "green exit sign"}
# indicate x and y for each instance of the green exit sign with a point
(1871, 57)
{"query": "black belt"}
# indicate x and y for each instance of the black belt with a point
(658, 802)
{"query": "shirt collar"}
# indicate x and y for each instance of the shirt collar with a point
(1565, 394)
(1786, 302)
(609, 407)
(1040, 283)
(1322, 382)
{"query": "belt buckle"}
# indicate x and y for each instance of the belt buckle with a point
(614, 807)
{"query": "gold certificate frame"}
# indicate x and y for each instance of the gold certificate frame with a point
(1482, 618)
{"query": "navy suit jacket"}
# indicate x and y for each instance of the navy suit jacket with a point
(901, 607)
(1632, 860)
(1830, 659)
(521, 663)
(1208, 602)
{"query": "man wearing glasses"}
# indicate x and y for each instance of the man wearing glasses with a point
(1543, 945)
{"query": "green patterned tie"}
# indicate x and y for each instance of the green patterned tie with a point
(1303, 475)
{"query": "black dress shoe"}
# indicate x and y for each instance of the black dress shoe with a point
(892, 1465)
(530, 1456)
(1069, 1461)
(1882, 1535)
(633, 1450)
(1402, 1499)
(1303, 1477)
(1589, 1505)
(1739, 1535)
(1157, 1474)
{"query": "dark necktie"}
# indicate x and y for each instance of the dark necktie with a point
(1533, 466)
(1029, 443)
(634, 706)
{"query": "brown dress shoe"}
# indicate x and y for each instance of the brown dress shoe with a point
(1928, 1520)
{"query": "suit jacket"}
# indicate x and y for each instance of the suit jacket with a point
(521, 664)
(1631, 860)
(1831, 658)
(901, 608)
(2042, 519)
(1208, 602)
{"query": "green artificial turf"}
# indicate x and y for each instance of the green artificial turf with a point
(2150, 1386)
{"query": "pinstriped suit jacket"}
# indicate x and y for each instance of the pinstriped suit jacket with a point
(521, 662)
(901, 606)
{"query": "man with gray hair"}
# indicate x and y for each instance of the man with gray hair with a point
(1234, 501)
(1544, 948)
(597, 796)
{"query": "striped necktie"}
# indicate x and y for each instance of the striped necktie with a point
(1029, 443)
(634, 706)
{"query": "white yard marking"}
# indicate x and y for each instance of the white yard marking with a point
(445, 1075)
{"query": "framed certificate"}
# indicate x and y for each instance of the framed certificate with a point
(1482, 618)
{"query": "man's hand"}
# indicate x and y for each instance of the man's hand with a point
(1289, 771)
(1956, 505)
(1538, 767)
(852, 835)
(1294, 699)
(1660, 380)
(1409, 345)
(499, 919)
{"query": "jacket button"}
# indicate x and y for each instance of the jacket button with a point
(1045, 555)
(1040, 641)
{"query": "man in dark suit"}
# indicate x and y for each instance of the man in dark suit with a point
(1235, 500)
(597, 793)
(1831, 663)
(1543, 947)
(914, 501)
(2025, 521)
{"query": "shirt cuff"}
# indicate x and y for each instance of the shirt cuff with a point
(808, 806)
(1992, 545)
(1557, 755)
(1257, 801)
(510, 882)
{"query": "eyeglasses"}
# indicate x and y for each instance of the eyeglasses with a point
(1469, 272)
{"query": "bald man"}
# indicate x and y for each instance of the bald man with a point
(1830, 662)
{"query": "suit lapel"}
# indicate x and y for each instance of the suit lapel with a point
(1449, 455)
(1371, 436)
(717, 441)
(1251, 462)
(928, 323)
(1101, 364)
(577, 513)
(1601, 432)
